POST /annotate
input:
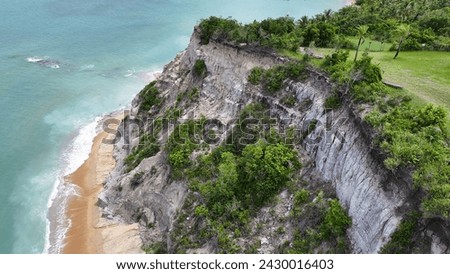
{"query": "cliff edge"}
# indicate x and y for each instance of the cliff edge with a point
(334, 146)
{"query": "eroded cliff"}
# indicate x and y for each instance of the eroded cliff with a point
(337, 154)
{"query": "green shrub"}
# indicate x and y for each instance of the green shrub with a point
(218, 28)
(149, 97)
(273, 79)
(401, 241)
(368, 92)
(255, 75)
(336, 221)
(265, 169)
(416, 137)
(199, 68)
(328, 223)
(337, 57)
(182, 142)
(289, 101)
(156, 248)
(333, 102)
(148, 147)
(172, 113)
(336, 64)
(251, 126)
(201, 211)
(295, 70)
(301, 197)
(194, 94)
(236, 186)
(369, 72)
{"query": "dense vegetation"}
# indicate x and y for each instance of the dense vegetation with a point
(199, 68)
(422, 24)
(272, 79)
(150, 97)
(417, 137)
(230, 182)
(411, 136)
(402, 239)
(328, 223)
(147, 147)
(233, 180)
(236, 179)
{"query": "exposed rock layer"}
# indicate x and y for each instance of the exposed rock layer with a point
(339, 148)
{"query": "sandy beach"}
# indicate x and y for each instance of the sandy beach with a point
(89, 233)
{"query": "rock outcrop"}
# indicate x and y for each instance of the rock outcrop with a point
(338, 149)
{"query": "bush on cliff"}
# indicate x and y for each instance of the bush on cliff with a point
(150, 97)
(147, 147)
(272, 79)
(199, 68)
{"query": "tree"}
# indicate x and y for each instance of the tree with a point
(362, 31)
(403, 32)
(264, 170)
(303, 21)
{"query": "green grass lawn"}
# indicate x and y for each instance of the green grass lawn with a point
(368, 43)
(426, 74)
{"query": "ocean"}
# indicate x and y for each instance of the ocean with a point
(64, 64)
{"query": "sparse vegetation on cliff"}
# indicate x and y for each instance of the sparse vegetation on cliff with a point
(150, 97)
(232, 182)
(199, 68)
(272, 79)
(147, 147)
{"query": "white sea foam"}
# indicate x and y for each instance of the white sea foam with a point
(87, 67)
(35, 59)
(130, 72)
(53, 66)
(44, 61)
(72, 158)
(149, 75)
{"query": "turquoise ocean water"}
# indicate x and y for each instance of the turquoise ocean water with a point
(63, 64)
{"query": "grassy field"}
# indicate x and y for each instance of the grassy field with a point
(425, 74)
(370, 44)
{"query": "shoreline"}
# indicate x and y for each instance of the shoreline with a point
(89, 232)
(82, 237)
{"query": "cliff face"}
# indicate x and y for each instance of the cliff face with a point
(342, 155)
(337, 152)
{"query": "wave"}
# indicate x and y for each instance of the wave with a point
(72, 158)
(87, 67)
(35, 59)
(44, 61)
(149, 75)
(130, 73)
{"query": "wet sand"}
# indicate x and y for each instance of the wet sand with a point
(89, 233)
(83, 236)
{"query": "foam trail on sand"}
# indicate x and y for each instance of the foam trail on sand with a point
(72, 158)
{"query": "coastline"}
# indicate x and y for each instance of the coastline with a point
(89, 232)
